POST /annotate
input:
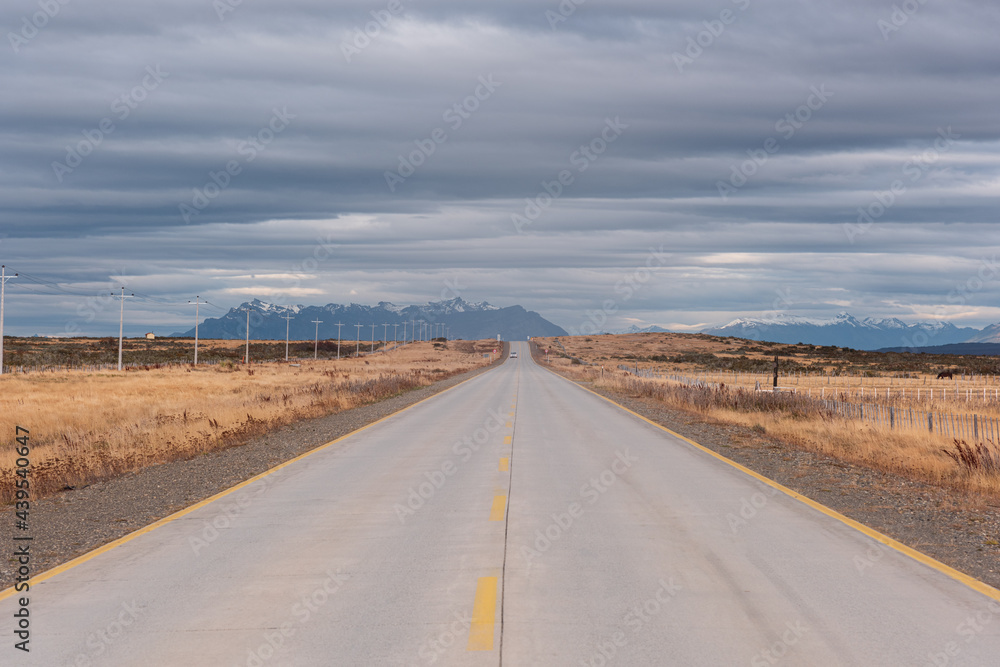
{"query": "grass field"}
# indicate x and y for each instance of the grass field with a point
(32, 354)
(88, 426)
(794, 418)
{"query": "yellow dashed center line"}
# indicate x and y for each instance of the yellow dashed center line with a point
(499, 506)
(504, 464)
(506, 439)
(510, 424)
(484, 611)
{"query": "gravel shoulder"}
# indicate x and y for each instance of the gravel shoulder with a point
(938, 522)
(72, 523)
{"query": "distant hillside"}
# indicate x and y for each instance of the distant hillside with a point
(470, 321)
(845, 330)
(965, 349)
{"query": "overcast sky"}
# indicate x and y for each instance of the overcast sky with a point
(718, 159)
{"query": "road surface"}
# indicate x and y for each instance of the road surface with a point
(519, 520)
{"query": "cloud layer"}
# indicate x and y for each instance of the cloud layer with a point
(676, 165)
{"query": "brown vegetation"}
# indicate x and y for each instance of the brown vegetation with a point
(86, 426)
(794, 418)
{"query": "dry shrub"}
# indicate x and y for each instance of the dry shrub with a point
(806, 424)
(87, 427)
(976, 458)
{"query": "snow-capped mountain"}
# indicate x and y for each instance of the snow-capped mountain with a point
(634, 329)
(990, 334)
(845, 330)
(461, 318)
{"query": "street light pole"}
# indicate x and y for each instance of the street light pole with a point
(316, 344)
(338, 325)
(197, 305)
(121, 325)
(288, 321)
(3, 295)
(246, 356)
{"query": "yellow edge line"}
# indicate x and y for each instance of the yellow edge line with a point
(80, 560)
(499, 505)
(969, 581)
(483, 615)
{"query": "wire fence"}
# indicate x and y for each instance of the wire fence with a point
(961, 426)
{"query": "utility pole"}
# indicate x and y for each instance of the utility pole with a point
(373, 339)
(395, 334)
(197, 305)
(3, 294)
(357, 345)
(288, 321)
(413, 331)
(246, 357)
(121, 325)
(338, 325)
(404, 332)
(385, 333)
(316, 344)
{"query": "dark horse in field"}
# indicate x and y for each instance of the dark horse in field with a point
(945, 374)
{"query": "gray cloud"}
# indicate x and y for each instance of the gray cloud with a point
(85, 83)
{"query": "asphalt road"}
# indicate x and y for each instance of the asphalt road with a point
(518, 520)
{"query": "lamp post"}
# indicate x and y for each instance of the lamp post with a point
(3, 295)
(197, 304)
(121, 325)
(288, 321)
(246, 356)
(316, 343)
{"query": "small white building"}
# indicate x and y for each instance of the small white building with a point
(151, 336)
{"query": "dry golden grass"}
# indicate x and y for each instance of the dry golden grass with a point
(978, 395)
(914, 453)
(90, 426)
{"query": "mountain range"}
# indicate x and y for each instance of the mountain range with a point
(845, 330)
(460, 318)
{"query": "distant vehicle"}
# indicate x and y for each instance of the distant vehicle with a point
(513, 355)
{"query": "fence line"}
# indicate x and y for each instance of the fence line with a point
(952, 425)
